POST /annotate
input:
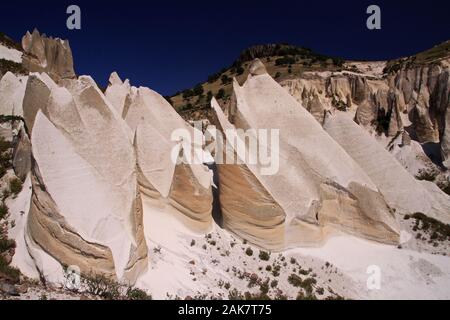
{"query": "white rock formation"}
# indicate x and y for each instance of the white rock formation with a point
(185, 187)
(12, 91)
(400, 189)
(318, 190)
(86, 209)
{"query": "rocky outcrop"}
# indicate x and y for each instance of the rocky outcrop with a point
(415, 98)
(170, 172)
(95, 221)
(12, 91)
(46, 54)
(318, 190)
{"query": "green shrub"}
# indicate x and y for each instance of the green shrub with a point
(263, 255)
(249, 251)
(440, 231)
(101, 286)
(6, 244)
(425, 175)
(274, 284)
(3, 211)
(15, 186)
(8, 271)
(220, 94)
(295, 280)
(225, 79)
(137, 294)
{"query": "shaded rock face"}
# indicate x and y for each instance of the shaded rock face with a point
(414, 99)
(22, 155)
(310, 197)
(46, 54)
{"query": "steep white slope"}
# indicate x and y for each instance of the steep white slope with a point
(12, 91)
(401, 190)
(184, 186)
(319, 189)
(10, 54)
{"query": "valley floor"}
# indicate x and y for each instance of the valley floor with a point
(184, 264)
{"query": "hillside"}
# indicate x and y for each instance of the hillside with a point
(282, 62)
(286, 62)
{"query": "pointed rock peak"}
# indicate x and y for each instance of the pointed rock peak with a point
(257, 68)
(114, 79)
(36, 32)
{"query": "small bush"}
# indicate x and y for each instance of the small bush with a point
(101, 286)
(137, 294)
(220, 94)
(3, 210)
(235, 295)
(425, 175)
(274, 284)
(6, 244)
(276, 270)
(15, 186)
(439, 231)
(295, 280)
(306, 284)
(249, 251)
(8, 271)
(192, 242)
(263, 255)
(225, 79)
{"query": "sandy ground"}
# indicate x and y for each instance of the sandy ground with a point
(183, 263)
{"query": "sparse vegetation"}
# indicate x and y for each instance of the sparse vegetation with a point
(101, 286)
(137, 294)
(249, 251)
(426, 175)
(220, 94)
(436, 229)
(14, 67)
(3, 210)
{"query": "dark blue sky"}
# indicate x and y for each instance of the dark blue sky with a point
(172, 45)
